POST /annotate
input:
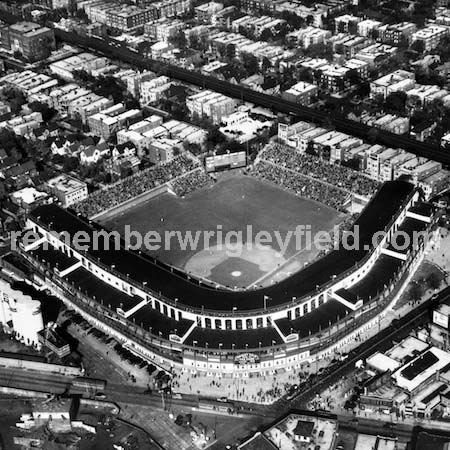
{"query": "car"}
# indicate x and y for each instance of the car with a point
(100, 396)
(222, 399)
(177, 396)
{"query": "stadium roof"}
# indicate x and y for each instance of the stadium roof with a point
(175, 284)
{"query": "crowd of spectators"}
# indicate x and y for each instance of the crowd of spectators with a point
(300, 185)
(320, 169)
(138, 184)
(190, 182)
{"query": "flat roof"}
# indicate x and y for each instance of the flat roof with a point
(99, 290)
(147, 318)
(315, 321)
(174, 283)
(381, 274)
(53, 257)
(381, 362)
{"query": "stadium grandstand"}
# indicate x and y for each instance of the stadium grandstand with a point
(205, 327)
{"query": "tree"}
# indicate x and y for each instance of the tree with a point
(305, 74)
(418, 46)
(266, 65)
(396, 102)
(15, 98)
(179, 40)
(70, 163)
(250, 63)
(415, 291)
(47, 112)
(433, 280)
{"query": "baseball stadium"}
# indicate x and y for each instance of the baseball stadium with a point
(210, 311)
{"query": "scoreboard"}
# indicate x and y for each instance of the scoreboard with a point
(226, 161)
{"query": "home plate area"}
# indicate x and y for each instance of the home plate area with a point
(237, 266)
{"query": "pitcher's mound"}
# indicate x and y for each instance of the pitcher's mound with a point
(236, 266)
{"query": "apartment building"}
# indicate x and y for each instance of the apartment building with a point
(333, 78)
(346, 24)
(305, 37)
(392, 123)
(163, 29)
(164, 149)
(347, 45)
(367, 27)
(205, 11)
(376, 160)
(152, 90)
(397, 34)
(430, 36)
(88, 62)
(31, 40)
(112, 120)
(302, 93)
(255, 25)
(211, 104)
(128, 18)
(400, 80)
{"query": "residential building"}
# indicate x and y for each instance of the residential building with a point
(301, 92)
(431, 36)
(346, 24)
(163, 29)
(211, 104)
(305, 37)
(31, 40)
(164, 149)
(389, 166)
(109, 121)
(367, 27)
(87, 62)
(205, 11)
(398, 34)
(400, 80)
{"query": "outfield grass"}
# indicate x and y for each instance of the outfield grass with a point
(233, 202)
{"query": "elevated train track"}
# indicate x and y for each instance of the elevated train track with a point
(362, 131)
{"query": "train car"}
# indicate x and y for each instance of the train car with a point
(83, 384)
(215, 406)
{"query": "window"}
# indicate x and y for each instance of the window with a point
(238, 324)
(228, 324)
(249, 324)
(218, 324)
(207, 323)
(259, 322)
(305, 308)
(297, 312)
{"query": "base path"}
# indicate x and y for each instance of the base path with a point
(265, 258)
